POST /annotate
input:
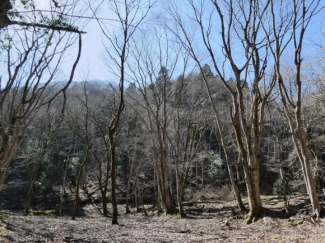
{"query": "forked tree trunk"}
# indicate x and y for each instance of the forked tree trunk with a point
(305, 160)
(103, 191)
(252, 176)
(310, 185)
(302, 12)
(300, 141)
(164, 179)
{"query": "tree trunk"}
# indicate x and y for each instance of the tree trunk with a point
(300, 141)
(165, 181)
(196, 175)
(127, 201)
(317, 173)
(251, 166)
(103, 182)
(84, 180)
(235, 188)
(8, 149)
(76, 201)
(311, 189)
(202, 173)
(136, 202)
(179, 188)
(285, 188)
(31, 188)
(157, 193)
(104, 202)
(180, 204)
(252, 185)
(103, 191)
(140, 197)
(113, 181)
(63, 186)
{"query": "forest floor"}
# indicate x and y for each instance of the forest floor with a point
(207, 221)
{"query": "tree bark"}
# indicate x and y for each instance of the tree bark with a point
(157, 192)
(179, 188)
(31, 193)
(63, 186)
(8, 149)
(113, 180)
(79, 178)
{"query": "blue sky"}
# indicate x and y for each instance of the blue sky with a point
(92, 65)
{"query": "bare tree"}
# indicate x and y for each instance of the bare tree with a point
(32, 58)
(301, 13)
(243, 52)
(101, 152)
(190, 123)
(47, 123)
(80, 123)
(129, 15)
(151, 70)
(224, 143)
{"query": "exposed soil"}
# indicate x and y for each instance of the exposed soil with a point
(206, 222)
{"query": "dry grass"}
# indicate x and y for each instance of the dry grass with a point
(206, 222)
